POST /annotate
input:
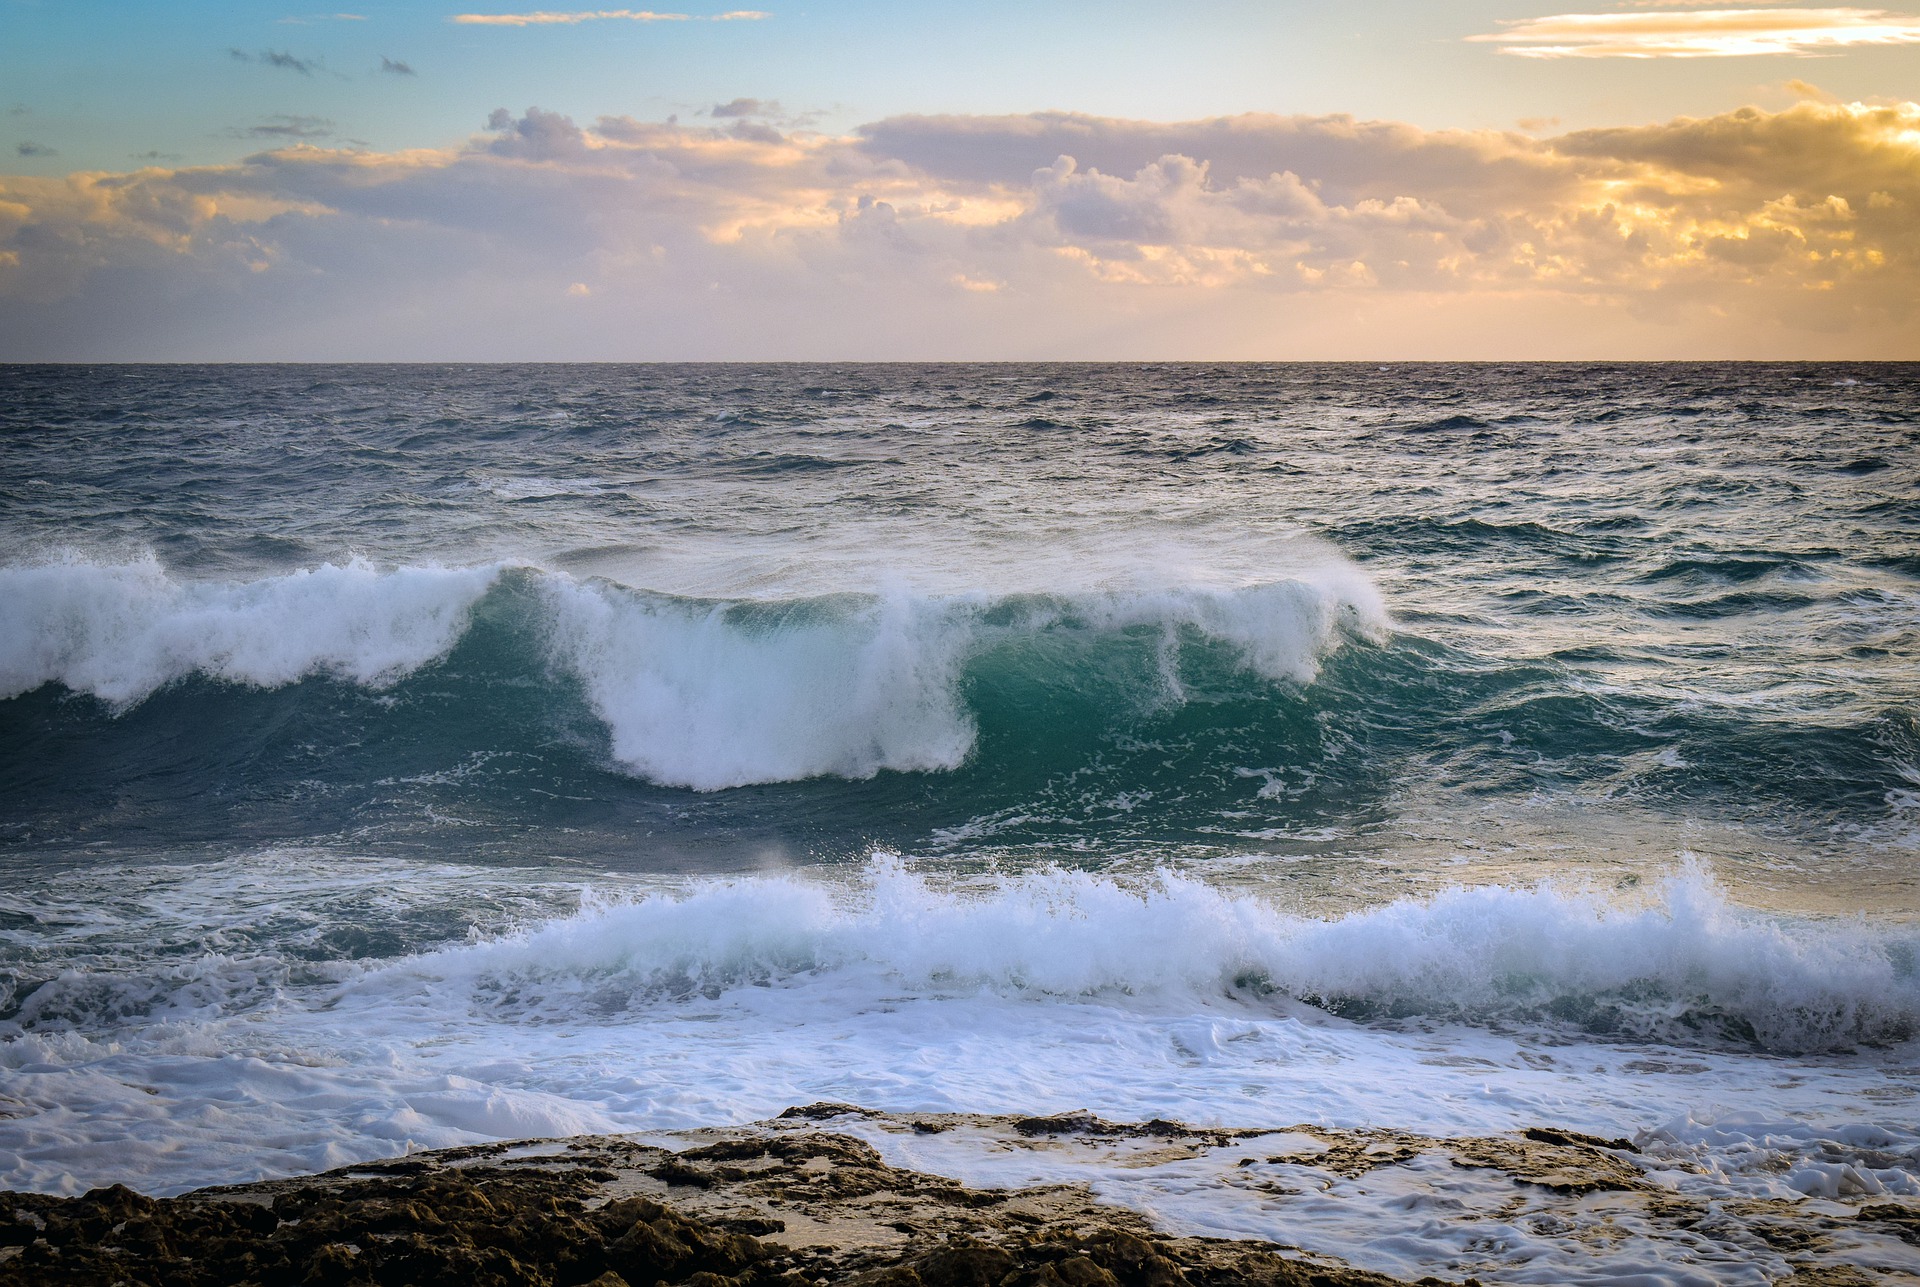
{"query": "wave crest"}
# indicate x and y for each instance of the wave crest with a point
(1685, 964)
(697, 693)
(714, 694)
(123, 631)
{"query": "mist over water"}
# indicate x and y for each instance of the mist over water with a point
(395, 757)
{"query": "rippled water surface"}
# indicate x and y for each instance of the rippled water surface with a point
(395, 756)
(1216, 609)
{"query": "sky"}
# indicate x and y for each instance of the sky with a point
(204, 180)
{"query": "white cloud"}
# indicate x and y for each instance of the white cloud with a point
(1703, 33)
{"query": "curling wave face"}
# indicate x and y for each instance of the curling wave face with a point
(704, 694)
(121, 632)
(1189, 713)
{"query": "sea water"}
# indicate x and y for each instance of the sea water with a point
(398, 757)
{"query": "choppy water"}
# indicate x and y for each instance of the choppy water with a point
(391, 756)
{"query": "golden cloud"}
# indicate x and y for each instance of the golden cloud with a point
(1721, 230)
(1703, 33)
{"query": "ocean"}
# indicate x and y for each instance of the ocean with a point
(394, 757)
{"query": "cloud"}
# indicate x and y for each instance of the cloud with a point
(276, 58)
(1350, 160)
(1703, 33)
(1805, 90)
(395, 67)
(288, 127)
(34, 149)
(544, 18)
(757, 117)
(744, 107)
(1749, 233)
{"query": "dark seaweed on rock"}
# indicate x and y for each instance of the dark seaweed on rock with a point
(480, 1227)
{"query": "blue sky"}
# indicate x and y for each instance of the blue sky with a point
(100, 83)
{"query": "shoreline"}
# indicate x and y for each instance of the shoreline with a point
(832, 1193)
(748, 1208)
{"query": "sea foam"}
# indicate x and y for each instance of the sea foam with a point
(122, 631)
(1683, 961)
(714, 694)
(903, 988)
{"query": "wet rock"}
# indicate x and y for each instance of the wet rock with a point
(1901, 1221)
(471, 1227)
(821, 1111)
(1570, 1168)
(1548, 1135)
(1067, 1124)
(615, 1213)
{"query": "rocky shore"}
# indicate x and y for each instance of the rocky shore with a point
(796, 1202)
(746, 1210)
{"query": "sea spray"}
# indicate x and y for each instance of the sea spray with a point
(706, 694)
(714, 695)
(1680, 961)
(122, 631)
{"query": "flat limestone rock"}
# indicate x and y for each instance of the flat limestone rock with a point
(743, 1208)
(810, 1198)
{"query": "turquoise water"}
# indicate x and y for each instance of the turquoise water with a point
(1133, 609)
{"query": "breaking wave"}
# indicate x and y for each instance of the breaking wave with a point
(700, 693)
(1681, 964)
(123, 631)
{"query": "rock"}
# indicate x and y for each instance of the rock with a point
(1548, 1135)
(590, 1213)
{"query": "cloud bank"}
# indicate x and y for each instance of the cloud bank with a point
(1704, 33)
(1750, 233)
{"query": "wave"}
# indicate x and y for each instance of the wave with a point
(123, 631)
(1683, 963)
(719, 694)
(1676, 962)
(699, 693)
(419, 703)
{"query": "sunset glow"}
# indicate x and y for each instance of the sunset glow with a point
(695, 173)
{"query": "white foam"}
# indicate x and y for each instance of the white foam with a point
(719, 695)
(658, 1006)
(1684, 955)
(122, 631)
(713, 694)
